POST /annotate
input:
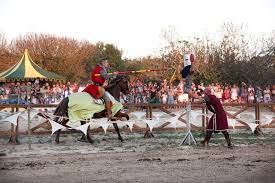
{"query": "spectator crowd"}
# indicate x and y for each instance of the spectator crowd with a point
(160, 92)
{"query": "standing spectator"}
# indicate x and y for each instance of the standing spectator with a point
(267, 97)
(244, 93)
(180, 92)
(212, 87)
(165, 85)
(23, 91)
(68, 89)
(259, 94)
(251, 92)
(2, 92)
(200, 90)
(75, 88)
(234, 93)
(219, 93)
(170, 95)
(81, 88)
(226, 95)
(7, 91)
(132, 96)
(273, 93)
(154, 96)
(28, 92)
(122, 98)
(163, 94)
(59, 92)
(139, 91)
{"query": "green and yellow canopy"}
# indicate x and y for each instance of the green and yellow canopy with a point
(27, 69)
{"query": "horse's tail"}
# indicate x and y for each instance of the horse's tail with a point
(62, 111)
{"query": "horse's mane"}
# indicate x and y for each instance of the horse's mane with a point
(115, 80)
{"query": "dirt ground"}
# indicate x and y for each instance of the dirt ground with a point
(158, 159)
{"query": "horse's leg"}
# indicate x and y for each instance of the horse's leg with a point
(61, 110)
(62, 122)
(83, 138)
(89, 137)
(57, 136)
(118, 133)
(101, 114)
(120, 115)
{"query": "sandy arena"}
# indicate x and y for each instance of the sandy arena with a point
(158, 159)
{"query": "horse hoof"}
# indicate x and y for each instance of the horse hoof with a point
(82, 140)
(121, 140)
(91, 141)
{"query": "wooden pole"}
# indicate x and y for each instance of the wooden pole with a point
(29, 117)
(203, 120)
(206, 118)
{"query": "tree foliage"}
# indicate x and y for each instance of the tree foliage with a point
(231, 57)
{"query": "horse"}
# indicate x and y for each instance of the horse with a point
(117, 85)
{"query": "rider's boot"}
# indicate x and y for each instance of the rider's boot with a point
(108, 107)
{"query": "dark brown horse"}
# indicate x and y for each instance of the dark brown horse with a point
(119, 84)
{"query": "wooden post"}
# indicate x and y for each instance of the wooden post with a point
(258, 113)
(148, 133)
(207, 119)
(147, 112)
(258, 130)
(29, 126)
(203, 120)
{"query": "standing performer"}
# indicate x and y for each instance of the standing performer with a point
(188, 70)
(218, 122)
(100, 82)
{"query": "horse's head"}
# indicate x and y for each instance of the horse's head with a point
(122, 83)
(117, 85)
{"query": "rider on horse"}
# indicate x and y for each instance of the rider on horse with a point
(96, 89)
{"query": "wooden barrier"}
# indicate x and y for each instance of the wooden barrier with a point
(14, 131)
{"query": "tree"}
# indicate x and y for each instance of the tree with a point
(109, 51)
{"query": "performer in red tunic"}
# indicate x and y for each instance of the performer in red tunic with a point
(99, 82)
(218, 122)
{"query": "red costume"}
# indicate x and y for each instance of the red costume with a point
(93, 89)
(97, 79)
(218, 121)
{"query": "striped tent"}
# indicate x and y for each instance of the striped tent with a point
(27, 69)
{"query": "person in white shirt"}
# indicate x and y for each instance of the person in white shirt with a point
(234, 93)
(251, 92)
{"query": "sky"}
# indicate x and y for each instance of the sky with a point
(134, 26)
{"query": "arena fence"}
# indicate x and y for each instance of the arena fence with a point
(44, 128)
